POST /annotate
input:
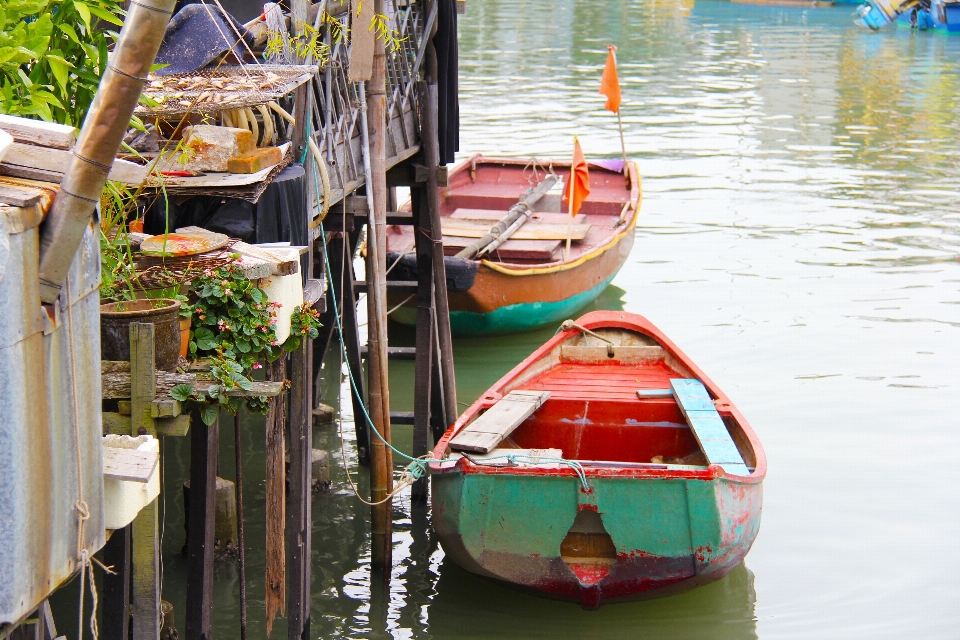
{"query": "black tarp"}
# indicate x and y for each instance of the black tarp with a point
(448, 103)
(280, 215)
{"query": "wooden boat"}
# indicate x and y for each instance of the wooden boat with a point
(614, 470)
(527, 282)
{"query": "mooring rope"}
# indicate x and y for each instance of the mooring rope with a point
(418, 467)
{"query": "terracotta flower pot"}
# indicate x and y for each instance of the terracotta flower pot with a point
(184, 337)
(115, 320)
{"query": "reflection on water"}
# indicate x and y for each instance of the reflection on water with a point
(798, 239)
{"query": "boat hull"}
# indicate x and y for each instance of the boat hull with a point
(507, 297)
(509, 300)
(670, 534)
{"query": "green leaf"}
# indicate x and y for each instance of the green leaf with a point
(181, 392)
(61, 71)
(69, 31)
(84, 12)
(209, 414)
(105, 15)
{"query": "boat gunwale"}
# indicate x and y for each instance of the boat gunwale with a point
(518, 269)
(603, 320)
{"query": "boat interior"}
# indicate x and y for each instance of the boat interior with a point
(480, 191)
(595, 415)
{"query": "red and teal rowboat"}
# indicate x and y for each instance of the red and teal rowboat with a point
(632, 476)
(529, 281)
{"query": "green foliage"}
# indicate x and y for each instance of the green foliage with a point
(52, 55)
(304, 323)
(116, 257)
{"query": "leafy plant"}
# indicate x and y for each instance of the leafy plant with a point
(52, 55)
(304, 323)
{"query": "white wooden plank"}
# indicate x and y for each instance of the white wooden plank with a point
(47, 134)
(489, 430)
(529, 231)
(58, 160)
(628, 354)
(132, 465)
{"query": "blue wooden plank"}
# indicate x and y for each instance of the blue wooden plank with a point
(654, 393)
(707, 426)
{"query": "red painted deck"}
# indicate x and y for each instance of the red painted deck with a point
(602, 382)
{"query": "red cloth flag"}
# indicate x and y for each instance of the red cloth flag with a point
(609, 82)
(581, 180)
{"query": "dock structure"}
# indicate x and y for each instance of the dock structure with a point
(360, 120)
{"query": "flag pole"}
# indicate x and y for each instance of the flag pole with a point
(566, 251)
(623, 147)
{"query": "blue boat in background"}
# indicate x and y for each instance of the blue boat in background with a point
(924, 15)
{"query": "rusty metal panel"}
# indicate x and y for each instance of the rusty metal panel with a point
(39, 478)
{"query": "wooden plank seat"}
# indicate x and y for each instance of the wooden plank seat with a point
(707, 426)
(494, 215)
(540, 250)
(532, 230)
(484, 434)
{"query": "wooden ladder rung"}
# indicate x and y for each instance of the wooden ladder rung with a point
(395, 353)
(401, 417)
(408, 287)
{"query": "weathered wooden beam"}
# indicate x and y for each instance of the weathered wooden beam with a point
(204, 446)
(143, 381)
(275, 501)
(411, 174)
(300, 520)
(45, 134)
(426, 316)
(145, 548)
(427, 94)
(115, 611)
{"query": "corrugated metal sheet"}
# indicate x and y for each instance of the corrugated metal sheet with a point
(39, 485)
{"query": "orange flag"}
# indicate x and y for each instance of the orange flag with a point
(609, 82)
(580, 178)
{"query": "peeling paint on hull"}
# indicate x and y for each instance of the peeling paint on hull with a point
(637, 529)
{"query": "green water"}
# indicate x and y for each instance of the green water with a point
(798, 239)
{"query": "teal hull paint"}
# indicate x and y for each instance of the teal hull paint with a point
(670, 534)
(513, 318)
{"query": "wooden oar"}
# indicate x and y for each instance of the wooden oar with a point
(507, 226)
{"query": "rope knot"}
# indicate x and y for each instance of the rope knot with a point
(83, 511)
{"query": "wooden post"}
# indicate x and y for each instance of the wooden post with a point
(427, 94)
(300, 521)
(146, 574)
(340, 253)
(381, 470)
(143, 378)
(276, 569)
(145, 548)
(115, 620)
(204, 442)
(241, 556)
(423, 378)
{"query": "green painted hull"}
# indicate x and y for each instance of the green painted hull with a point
(512, 318)
(670, 534)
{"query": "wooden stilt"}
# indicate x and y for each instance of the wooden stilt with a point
(276, 568)
(145, 549)
(204, 442)
(381, 474)
(115, 601)
(427, 94)
(241, 557)
(426, 316)
(340, 253)
(299, 517)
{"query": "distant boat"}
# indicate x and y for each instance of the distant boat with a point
(527, 282)
(605, 467)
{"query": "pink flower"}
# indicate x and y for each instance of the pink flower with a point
(257, 365)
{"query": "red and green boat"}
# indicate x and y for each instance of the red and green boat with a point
(530, 281)
(631, 475)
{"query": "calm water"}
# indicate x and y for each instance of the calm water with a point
(798, 238)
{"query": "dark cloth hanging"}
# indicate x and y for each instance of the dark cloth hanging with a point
(448, 64)
(278, 216)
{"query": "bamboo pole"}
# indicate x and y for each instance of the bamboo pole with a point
(381, 468)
